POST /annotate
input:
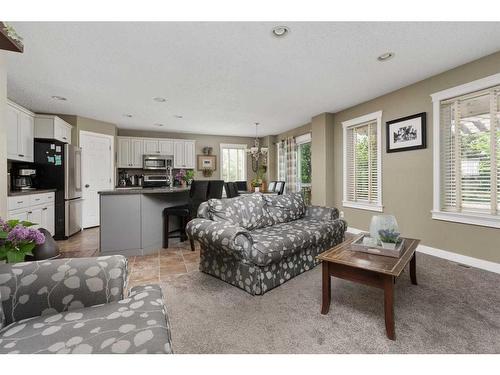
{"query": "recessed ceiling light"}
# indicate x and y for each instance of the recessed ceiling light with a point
(280, 31)
(127, 115)
(159, 125)
(159, 99)
(57, 97)
(178, 116)
(385, 56)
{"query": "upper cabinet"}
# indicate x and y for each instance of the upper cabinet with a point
(158, 146)
(52, 127)
(20, 124)
(130, 151)
(184, 154)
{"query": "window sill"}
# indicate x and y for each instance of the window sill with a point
(363, 206)
(485, 220)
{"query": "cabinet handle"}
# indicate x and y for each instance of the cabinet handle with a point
(64, 138)
(21, 155)
(43, 209)
(30, 212)
(19, 202)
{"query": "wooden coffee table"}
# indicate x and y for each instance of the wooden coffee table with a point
(373, 270)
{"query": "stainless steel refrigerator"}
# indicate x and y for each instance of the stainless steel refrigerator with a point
(58, 166)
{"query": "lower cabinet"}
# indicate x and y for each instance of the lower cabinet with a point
(36, 208)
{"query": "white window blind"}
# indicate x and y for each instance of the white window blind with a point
(233, 162)
(362, 174)
(470, 153)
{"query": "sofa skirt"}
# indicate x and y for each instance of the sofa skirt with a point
(258, 280)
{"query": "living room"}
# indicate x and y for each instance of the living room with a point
(224, 188)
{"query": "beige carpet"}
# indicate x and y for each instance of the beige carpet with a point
(452, 310)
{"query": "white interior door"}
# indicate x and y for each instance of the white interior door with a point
(97, 173)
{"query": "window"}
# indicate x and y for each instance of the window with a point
(304, 169)
(467, 154)
(233, 162)
(362, 162)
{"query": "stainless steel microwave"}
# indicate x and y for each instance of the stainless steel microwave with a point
(157, 162)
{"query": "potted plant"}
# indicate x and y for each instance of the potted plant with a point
(389, 238)
(188, 176)
(256, 183)
(17, 240)
(208, 172)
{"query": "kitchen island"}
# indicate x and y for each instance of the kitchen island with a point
(131, 219)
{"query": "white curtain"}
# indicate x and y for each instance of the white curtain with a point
(288, 164)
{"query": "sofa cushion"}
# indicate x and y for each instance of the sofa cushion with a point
(273, 243)
(247, 211)
(285, 208)
(137, 324)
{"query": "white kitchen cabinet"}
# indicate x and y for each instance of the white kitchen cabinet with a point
(189, 154)
(20, 142)
(130, 151)
(137, 151)
(166, 147)
(184, 154)
(151, 146)
(158, 146)
(36, 208)
(52, 127)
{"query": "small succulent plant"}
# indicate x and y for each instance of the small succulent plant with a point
(389, 235)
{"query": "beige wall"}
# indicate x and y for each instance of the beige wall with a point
(303, 129)
(213, 141)
(3, 136)
(407, 186)
(322, 176)
(87, 124)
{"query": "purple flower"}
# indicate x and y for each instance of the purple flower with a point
(3, 225)
(21, 234)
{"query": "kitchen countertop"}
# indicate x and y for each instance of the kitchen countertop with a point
(17, 193)
(139, 190)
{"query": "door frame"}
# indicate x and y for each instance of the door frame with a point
(112, 152)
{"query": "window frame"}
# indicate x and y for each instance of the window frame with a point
(302, 140)
(482, 219)
(376, 206)
(239, 146)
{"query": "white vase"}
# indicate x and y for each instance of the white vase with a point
(386, 222)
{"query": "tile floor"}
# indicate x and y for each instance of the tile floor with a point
(162, 265)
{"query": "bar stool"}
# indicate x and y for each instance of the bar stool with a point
(215, 189)
(197, 195)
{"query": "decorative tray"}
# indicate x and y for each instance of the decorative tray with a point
(358, 245)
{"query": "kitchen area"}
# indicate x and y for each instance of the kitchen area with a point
(147, 174)
(44, 175)
(46, 186)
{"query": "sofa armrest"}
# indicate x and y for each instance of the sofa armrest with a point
(231, 238)
(322, 213)
(51, 286)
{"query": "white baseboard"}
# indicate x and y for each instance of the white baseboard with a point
(448, 255)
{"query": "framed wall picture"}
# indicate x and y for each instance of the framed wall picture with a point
(207, 162)
(406, 133)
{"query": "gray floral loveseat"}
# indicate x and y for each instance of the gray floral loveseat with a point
(257, 242)
(78, 306)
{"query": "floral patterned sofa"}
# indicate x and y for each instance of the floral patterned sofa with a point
(257, 242)
(78, 306)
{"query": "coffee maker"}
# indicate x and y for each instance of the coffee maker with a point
(23, 179)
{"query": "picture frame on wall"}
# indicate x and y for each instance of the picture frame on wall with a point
(407, 133)
(207, 162)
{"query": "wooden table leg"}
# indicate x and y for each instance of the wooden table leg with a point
(389, 307)
(413, 269)
(327, 289)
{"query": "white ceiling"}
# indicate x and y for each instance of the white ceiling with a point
(222, 77)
